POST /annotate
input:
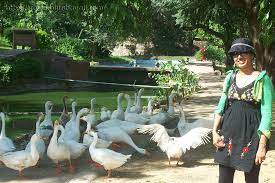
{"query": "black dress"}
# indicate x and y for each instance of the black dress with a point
(239, 127)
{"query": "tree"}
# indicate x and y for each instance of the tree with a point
(215, 18)
(261, 28)
(229, 19)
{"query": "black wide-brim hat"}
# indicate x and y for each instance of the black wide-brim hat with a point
(241, 45)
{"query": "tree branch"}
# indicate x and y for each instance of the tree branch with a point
(210, 31)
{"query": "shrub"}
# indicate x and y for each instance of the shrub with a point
(5, 73)
(4, 42)
(73, 47)
(44, 40)
(212, 53)
(178, 77)
(20, 68)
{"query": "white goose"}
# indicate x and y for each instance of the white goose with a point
(175, 147)
(128, 127)
(116, 134)
(88, 138)
(149, 112)
(163, 117)
(91, 117)
(58, 151)
(133, 117)
(105, 114)
(184, 126)
(76, 149)
(137, 108)
(71, 122)
(109, 159)
(40, 144)
(72, 132)
(171, 109)
(19, 160)
(118, 113)
(46, 126)
(6, 144)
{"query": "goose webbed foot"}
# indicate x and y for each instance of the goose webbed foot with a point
(58, 169)
(71, 169)
(21, 175)
(109, 173)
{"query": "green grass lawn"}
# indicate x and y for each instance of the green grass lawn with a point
(34, 102)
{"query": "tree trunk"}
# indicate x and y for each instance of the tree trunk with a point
(1, 29)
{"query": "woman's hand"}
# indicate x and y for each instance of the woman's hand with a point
(218, 140)
(260, 156)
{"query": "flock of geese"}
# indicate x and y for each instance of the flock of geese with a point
(101, 135)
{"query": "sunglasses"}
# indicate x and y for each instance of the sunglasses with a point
(242, 54)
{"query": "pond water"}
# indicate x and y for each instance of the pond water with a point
(144, 63)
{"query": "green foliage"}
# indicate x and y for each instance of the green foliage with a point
(44, 40)
(178, 77)
(72, 47)
(5, 73)
(26, 68)
(214, 53)
(4, 42)
(266, 20)
(21, 68)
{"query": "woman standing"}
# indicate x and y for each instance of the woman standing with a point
(243, 119)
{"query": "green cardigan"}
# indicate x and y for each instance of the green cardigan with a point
(263, 91)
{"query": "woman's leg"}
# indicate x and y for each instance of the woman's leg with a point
(226, 174)
(253, 175)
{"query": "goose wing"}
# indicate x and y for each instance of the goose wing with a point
(194, 138)
(160, 135)
(15, 157)
(184, 126)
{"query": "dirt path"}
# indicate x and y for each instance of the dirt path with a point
(197, 166)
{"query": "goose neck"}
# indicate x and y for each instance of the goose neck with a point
(65, 106)
(54, 136)
(89, 126)
(95, 140)
(3, 130)
(119, 98)
(73, 111)
(77, 120)
(139, 98)
(92, 107)
(37, 126)
(149, 107)
(128, 104)
(34, 152)
(61, 128)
